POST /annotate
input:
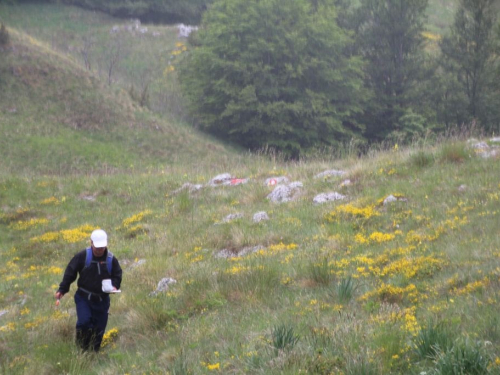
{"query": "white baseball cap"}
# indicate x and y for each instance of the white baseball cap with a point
(99, 238)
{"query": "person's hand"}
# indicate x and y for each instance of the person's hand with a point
(58, 297)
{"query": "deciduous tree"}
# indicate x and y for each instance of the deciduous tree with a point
(274, 73)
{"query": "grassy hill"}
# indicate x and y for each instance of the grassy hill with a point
(348, 287)
(57, 118)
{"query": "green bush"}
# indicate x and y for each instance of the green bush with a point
(283, 337)
(421, 159)
(4, 36)
(464, 357)
(346, 288)
(455, 152)
(320, 271)
(432, 339)
(274, 74)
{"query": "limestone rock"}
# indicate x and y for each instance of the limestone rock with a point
(328, 197)
(260, 216)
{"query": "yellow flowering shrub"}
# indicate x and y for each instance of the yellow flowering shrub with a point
(9, 327)
(281, 247)
(23, 225)
(35, 323)
(236, 269)
(68, 235)
(392, 294)
(109, 337)
(51, 200)
(135, 218)
(472, 287)
(411, 267)
(348, 211)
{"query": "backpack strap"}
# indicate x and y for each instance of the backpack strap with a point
(109, 262)
(88, 257)
(109, 259)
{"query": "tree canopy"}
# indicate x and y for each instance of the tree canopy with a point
(274, 73)
(390, 40)
(469, 54)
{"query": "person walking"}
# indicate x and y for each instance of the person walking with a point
(93, 265)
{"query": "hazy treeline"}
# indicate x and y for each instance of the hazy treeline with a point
(160, 11)
(300, 74)
(294, 75)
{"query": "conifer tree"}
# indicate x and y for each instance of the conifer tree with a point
(390, 39)
(470, 56)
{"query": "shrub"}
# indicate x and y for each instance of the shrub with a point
(455, 152)
(283, 337)
(346, 288)
(421, 159)
(463, 358)
(432, 339)
(4, 36)
(320, 271)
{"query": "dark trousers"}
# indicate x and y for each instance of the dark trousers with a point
(92, 318)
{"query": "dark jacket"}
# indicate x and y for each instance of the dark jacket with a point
(92, 276)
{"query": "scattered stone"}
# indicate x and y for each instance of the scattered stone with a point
(483, 149)
(188, 186)
(136, 264)
(480, 145)
(328, 197)
(495, 139)
(226, 179)
(271, 181)
(330, 172)
(489, 153)
(115, 29)
(3, 312)
(346, 183)
(163, 285)
(238, 181)
(285, 193)
(260, 216)
(185, 30)
(220, 179)
(231, 217)
(391, 198)
(156, 34)
(462, 188)
(296, 185)
(227, 254)
(90, 198)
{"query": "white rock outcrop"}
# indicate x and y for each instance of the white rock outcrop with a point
(328, 197)
(285, 193)
(163, 285)
(260, 216)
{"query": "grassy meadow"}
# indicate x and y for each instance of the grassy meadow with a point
(348, 287)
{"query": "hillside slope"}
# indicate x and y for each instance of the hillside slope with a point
(57, 118)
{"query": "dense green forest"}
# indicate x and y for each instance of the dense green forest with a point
(268, 73)
(160, 11)
(306, 74)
